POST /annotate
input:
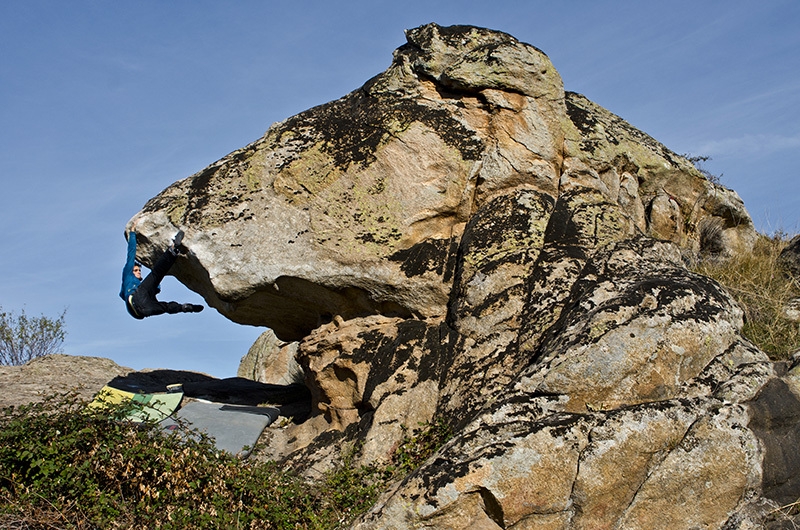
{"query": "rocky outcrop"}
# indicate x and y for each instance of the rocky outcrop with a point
(272, 361)
(462, 239)
(357, 207)
(56, 374)
(633, 412)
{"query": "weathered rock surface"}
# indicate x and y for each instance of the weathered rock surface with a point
(357, 207)
(272, 361)
(56, 374)
(461, 238)
(790, 256)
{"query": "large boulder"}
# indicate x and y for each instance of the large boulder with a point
(462, 240)
(357, 207)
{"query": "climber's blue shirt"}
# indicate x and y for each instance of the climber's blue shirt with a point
(129, 281)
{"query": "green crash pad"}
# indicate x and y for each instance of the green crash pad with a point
(148, 407)
(234, 428)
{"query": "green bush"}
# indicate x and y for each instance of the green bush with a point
(63, 465)
(66, 465)
(420, 444)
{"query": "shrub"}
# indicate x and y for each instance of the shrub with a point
(417, 446)
(763, 288)
(66, 465)
(23, 338)
(697, 161)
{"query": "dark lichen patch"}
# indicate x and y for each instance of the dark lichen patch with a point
(583, 219)
(562, 229)
(507, 227)
(561, 295)
(455, 37)
(351, 129)
(475, 447)
(585, 121)
(682, 298)
(412, 346)
(502, 239)
(640, 288)
(599, 127)
(214, 195)
(382, 239)
(587, 124)
(551, 288)
(713, 378)
(439, 341)
(480, 367)
(431, 255)
(676, 285)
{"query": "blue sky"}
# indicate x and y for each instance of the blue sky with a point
(103, 104)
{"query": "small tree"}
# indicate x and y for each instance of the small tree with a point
(697, 162)
(23, 338)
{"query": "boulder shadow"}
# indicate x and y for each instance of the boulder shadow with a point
(294, 401)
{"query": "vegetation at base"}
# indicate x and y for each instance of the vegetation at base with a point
(64, 465)
(763, 288)
(418, 445)
(24, 338)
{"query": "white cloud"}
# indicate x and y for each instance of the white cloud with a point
(750, 144)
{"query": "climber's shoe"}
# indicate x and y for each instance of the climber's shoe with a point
(176, 248)
(176, 241)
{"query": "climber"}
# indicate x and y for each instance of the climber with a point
(140, 295)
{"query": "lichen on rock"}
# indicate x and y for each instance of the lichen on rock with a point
(460, 238)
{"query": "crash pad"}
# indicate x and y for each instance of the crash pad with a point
(234, 428)
(148, 407)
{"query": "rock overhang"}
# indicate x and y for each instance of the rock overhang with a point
(357, 206)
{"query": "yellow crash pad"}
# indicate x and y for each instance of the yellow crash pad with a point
(148, 407)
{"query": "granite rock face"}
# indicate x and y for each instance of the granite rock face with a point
(271, 361)
(461, 239)
(357, 207)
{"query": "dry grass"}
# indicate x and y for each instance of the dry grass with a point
(763, 288)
